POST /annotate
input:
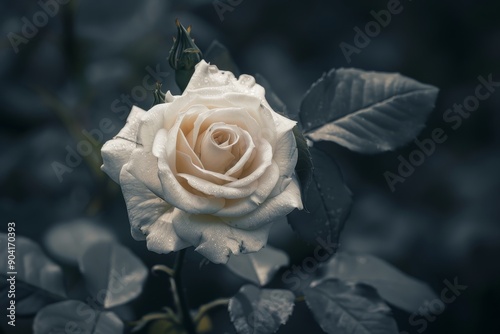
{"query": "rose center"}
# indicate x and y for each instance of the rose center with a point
(224, 138)
(219, 148)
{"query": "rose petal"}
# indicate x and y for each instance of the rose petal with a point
(151, 122)
(144, 207)
(229, 115)
(264, 117)
(186, 166)
(116, 152)
(143, 166)
(189, 125)
(173, 191)
(217, 241)
(245, 158)
(221, 191)
(184, 147)
(271, 209)
(263, 158)
(283, 124)
(228, 98)
(285, 155)
(214, 156)
(209, 76)
(169, 97)
(161, 236)
(246, 205)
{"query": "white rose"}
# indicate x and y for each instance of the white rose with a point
(211, 168)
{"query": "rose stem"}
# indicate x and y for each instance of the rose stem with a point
(179, 293)
(207, 307)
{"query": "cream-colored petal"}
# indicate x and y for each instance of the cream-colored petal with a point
(151, 123)
(143, 165)
(173, 191)
(285, 155)
(206, 75)
(264, 117)
(246, 155)
(230, 115)
(263, 158)
(186, 166)
(217, 241)
(215, 147)
(283, 124)
(190, 124)
(116, 152)
(219, 191)
(161, 236)
(271, 209)
(169, 97)
(265, 185)
(184, 147)
(144, 207)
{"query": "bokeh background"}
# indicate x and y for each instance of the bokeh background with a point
(442, 223)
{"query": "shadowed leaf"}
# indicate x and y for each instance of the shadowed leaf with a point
(38, 280)
(341, 307)
(68, 240)
(256, 311)
(111, 268)
(367, 112)
(73, 316)
(394, 286)
(328, 201)
(259, 267)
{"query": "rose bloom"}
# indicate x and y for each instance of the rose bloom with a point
(211, 168)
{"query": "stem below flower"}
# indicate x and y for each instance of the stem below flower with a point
(179, 294)
(207, 307)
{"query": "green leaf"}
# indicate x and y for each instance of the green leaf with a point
(259, 267)
(394, 286)
(342, 307)
(217, 54)
(256, 311)
(328, 200)
(367, 112)
(73, 316)
(39, 281)
(114, 270)
(304, 167)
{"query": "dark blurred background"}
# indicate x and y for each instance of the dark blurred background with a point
(80, 65)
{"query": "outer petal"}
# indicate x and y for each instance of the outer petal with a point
(285, 155)
(150, 216)
(116, 152)
(271, 209)
(161, 236)
(282, 123)
(143, 166)
(215, 240)
(151, 123)
(209, 76)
